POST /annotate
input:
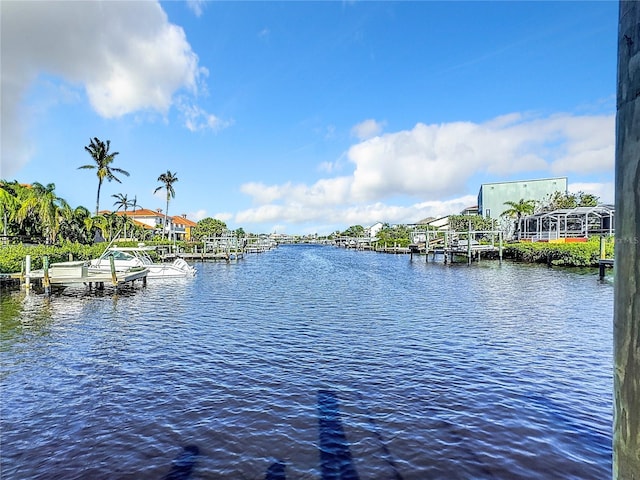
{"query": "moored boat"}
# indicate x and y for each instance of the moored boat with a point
(127, 257)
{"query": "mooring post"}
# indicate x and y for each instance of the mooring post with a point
(112, 266)
(626, 307)
(469, 243)
(603, 255)
(27, 272)
(46, 281)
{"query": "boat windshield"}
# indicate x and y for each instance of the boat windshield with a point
(118, 255)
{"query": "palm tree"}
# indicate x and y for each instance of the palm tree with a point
(167, 179)
(8, 204)
(123, 202)
(46, 206)
(518, 209)
(75, 226)
(99, 151)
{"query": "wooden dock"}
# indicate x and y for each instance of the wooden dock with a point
(66, 274)
(202, 256)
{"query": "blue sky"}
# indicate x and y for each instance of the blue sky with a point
(308, 117)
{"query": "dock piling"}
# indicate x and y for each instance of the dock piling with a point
(626, 305)
(46, 280)
(112, 265)
(27, 272)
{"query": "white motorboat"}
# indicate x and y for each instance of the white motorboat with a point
(125, 258)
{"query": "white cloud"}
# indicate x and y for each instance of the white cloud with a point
(365, 215)
(435, 161)
(224, 216)
(262, 193)
(367, 129)
(197, 119)
(126, 56)
(435, 164)
(199, 215)
(196, 6)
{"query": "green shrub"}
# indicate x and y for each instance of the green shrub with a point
(12, 256)
(584, 254)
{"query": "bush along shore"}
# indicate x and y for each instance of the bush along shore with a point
(582, 254)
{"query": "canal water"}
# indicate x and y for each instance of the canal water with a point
(312, 362)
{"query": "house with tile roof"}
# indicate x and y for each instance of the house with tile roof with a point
(182, 227)
(179, 227)
(148, 219)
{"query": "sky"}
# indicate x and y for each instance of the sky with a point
(304, 117)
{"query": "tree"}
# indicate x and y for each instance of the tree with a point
(42, 203)
(74, 226)
(397, 234)
(209, 227)
(99, 151)
(559, 200)
(9, 204)
(167, 180)
(518, 209)
(354, 231)
(123, 202)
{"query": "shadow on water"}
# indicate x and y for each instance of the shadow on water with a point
(276, 471)
(336, 462)
(335, 456)
(183, 465)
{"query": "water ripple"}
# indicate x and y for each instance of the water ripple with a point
(307, 359)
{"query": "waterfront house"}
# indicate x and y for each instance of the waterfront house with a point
(148, 219)
(492, 196)
(373, 230)
(182, 227)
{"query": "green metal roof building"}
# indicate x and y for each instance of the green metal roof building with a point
(492, 196)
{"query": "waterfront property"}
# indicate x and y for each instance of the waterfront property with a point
(492, 196)
(568, 224)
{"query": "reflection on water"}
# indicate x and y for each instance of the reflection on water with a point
(313, 363)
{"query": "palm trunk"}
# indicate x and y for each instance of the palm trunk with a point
(98, 196)
(165, 217)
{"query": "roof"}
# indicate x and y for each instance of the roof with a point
(525, 181)
(142, 212)
(183, 221)
(600, 210)
(138, 223)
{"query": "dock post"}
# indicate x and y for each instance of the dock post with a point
(626, 304)
(112, 265)
(46, 281)
(500, 246)
(601, 265)
(469, 244)
(27, 272)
